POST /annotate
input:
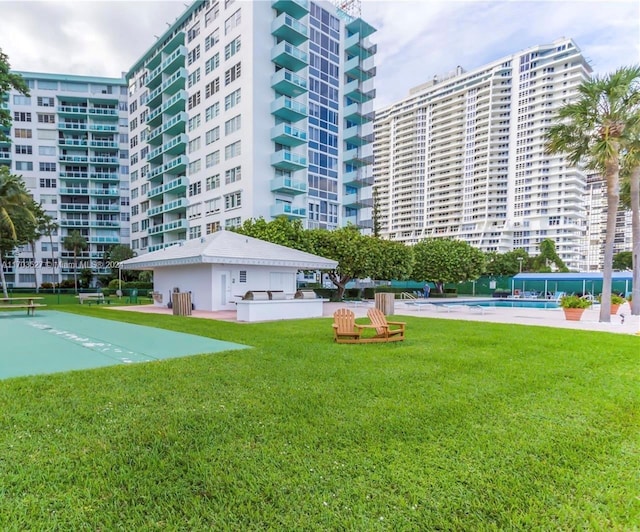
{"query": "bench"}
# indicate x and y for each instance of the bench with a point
(31, 307)
(98, 297)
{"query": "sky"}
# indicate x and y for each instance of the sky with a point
(416, 39)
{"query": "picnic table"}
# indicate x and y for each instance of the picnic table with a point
(28, 302)
(90, 297)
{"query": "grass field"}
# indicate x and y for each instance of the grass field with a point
(464, 426)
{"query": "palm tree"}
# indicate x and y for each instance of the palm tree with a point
(49, 226)
(593, 130)
(14, 204)
(631, 200)
(34, 233)
(75, 242)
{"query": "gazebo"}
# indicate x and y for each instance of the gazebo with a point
(220, 269)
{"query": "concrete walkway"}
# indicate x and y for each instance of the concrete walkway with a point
(522, 316)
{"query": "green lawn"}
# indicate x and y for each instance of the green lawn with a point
(464, 426)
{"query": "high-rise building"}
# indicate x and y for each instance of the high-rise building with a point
(596, 203)
(69, 143)
(463, 156)
(251, 109)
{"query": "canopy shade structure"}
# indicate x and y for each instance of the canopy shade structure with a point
(582, 282)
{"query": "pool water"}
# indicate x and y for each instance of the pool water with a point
(505, 303)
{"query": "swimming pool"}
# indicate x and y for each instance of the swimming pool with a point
(500, 303)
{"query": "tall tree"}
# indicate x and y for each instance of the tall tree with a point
(547, 256)
(442, 260)
(48, 227)
(14, 214)
(75, 242)
(593, 130)
(630, 198)
(116, 254)
(8, 81)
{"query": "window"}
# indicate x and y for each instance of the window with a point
(194, 122)
(242, 278)
(233, 200)
(46, 118)
(232, 100)
(22, 133)
(47, 167)
(21, 117)
(230, 223)
(194, 100)
(232, 175)
(212, 206)
(24, 165)
(47, 183)
(232, 125)
(212, 135)
(232, 48)
(212, 111)
(194, 145)
(195, 188)
(212, 182)
(194, 211)
(232, 150)
(194, 77)
(232, 74)
(211, 40)
(232, 22)
(21, 100)
(212, 63)
(213, 158)
(211, 15)
(45, 101)
(213, 227)
(195, 232)
(212, 87)
(24, 150)
(193, 55)
(133, 124)
(195, 166)
(47, 134)
(193, 32)
(133, 142)
(46, 150)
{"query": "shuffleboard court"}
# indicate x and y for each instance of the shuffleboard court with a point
(51, 341)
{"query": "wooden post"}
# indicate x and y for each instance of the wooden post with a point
(386, 303)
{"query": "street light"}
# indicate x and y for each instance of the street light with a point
(520, 259)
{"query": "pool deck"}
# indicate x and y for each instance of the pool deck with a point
(446, 309)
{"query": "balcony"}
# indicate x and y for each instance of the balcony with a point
(353, 135)
(74, 175)
(103, 128)
(288, 109)
(286, 209)
(352, 201)
(74, 126)
(103, 144)
(175, 104)
(175, 83)
(288, 28)
(73, 158)
(357, 179)
(73, 191)
(360, 26)
(104, 192)
(72, 110)
(74, 207)
(174, 147)
(286, 82)
(163, 245)
(354, 91)
(105, 207)
(287, 185)
(353, 113)
(105, 176)
(295, 8)
(177, 186)
(177, 225)
(288, 135)
(174, 126)
(111, 161)
(285, 160)
(177, 165)
(288, 56)
(166, 207)
(104, 223)
(354, 46)
(104, 112)
(355, 158)
(73, 142)
(74, 223)
(354, 69)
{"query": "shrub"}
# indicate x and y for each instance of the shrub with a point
(574, 302)
(46, 285)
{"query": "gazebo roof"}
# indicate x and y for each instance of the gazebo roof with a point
(579, 276)
(227, 247)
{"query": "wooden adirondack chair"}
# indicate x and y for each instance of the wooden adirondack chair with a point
(345, 328)
(386, 331)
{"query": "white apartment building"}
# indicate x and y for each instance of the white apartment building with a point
(70, 145)
(251, 109)
(463, 156)
(596, 203)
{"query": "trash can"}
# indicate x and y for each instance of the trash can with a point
(182, 304)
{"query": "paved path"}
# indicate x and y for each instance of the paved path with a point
(522, 316)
